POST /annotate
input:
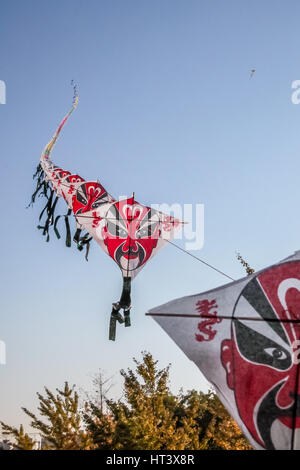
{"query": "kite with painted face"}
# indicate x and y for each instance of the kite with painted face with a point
(129, 232)
(245, 338)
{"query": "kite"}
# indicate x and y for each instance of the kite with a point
(252, 73)
(245, 339)
(129, 232)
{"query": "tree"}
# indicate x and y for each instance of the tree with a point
(22, 439)
(244, 263)
(101, 386)
(148, 417)
(101, 427)
(151, 417)
(143, 420)
(63, 429)
(216, 428)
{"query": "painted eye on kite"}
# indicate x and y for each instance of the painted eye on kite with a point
(276, 353)
(96, 204)
(122, 233)
(116, 230)
(80, 198)
(146, 231)
(257, 348)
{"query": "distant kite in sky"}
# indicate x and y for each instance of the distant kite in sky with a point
(129, 232)
(252, 73)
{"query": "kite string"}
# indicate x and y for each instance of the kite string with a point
(201, 260)
(221, 317)
(182, 249)
(193, 256)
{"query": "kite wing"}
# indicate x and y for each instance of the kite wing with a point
(244, 337)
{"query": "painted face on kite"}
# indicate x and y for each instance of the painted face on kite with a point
(260, 360)
(56, 176)
(56, 173)
(88, 197)
(73, 179)
(63, 174)
(130, 233)
(70, 182)
(60, 175)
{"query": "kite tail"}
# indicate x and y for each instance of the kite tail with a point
(42, 186)
(125, 304)
(49, 146)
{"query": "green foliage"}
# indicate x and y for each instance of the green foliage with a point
(148, 417)
(151, 417)
(215, 427)
(22, 440)
(62, 429)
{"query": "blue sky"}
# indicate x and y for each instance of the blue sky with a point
(166, 109)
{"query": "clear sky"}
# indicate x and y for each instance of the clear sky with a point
(166, 109)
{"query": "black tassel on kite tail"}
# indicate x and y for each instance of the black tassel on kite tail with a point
(55, 227)
(68, 231)
(46, 209)
(76, 238)
(125, 304)
(50, 211)
(42, 186)
(82, 241)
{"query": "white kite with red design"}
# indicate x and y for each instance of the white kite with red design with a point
(245, 339)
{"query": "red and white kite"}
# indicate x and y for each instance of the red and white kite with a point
(129, 232)
(245, 339)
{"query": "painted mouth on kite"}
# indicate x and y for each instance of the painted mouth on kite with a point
(129, 260)
(129, 264)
